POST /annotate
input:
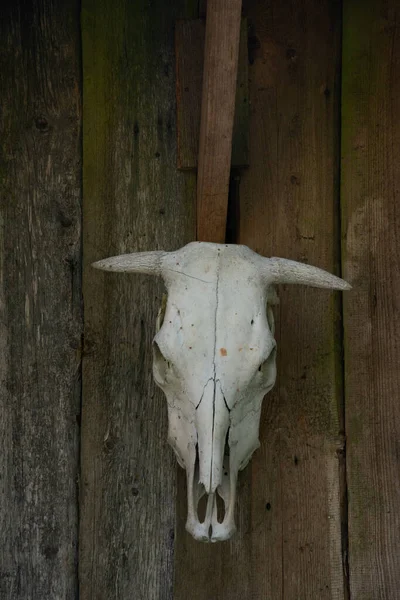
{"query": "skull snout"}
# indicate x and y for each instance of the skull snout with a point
(211, 476)
(212, 526)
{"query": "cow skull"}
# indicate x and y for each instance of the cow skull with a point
(215, 359)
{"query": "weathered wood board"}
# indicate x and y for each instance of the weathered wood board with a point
(135, 199)
(289, 513)
(289, 208)
(189, 50)
(40, 298)
(370, 194)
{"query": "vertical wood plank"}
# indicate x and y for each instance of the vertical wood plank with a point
(135, 200)
(289, 208)
(371, 222)
(40, 298)
(221, 54)
(288, 543)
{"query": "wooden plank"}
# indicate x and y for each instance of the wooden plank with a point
(221, 54)
(288, 543)
(40, 298)
(135, 199)
(371, 223)
(190, 34)
(289, 208)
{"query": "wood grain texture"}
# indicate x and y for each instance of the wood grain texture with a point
(288, 543)
(289, 208)
(135, 200)
(371, 223)
(40, 299)
(221, 53)
(189, 51)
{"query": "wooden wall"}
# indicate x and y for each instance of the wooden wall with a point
(92, 504)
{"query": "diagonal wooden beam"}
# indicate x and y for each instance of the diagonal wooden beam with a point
(217, 113)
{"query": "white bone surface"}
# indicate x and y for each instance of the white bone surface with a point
(215, 359)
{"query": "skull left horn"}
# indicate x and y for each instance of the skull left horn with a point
(215, 359)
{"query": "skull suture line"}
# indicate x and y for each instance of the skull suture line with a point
(214, 358)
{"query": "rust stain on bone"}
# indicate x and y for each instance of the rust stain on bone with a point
(223, 351)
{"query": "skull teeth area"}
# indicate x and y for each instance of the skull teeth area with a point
(211, 516)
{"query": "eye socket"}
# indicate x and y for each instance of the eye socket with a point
(270, 319)
(266, 365)
(161, 313)
(160, 364)
(157, 354)
(162, 367)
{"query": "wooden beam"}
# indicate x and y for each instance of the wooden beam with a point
(289, 207)
(217, 114)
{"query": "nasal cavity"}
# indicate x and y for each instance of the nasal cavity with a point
(199, 491)
(220, 508)
(223, 489)
(201, 496)
(202, 506)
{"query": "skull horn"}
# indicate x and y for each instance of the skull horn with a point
(137, 262)
(282, 270)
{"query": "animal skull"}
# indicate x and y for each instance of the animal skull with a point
(215, 359)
